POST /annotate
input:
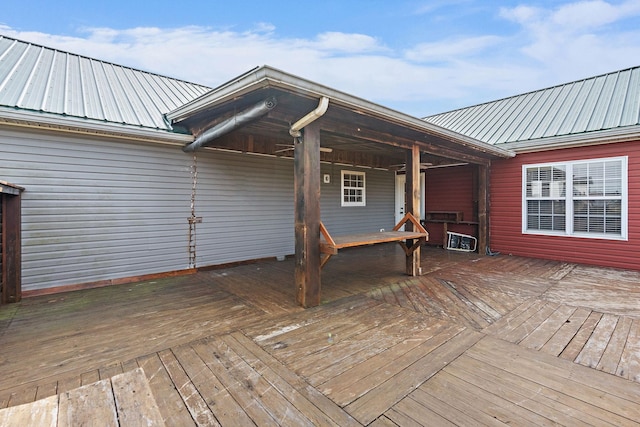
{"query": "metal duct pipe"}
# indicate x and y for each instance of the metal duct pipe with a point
(232, 123)
(309, 118)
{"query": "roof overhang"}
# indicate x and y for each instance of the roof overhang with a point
(9, 188)
(68, 124)
(350, 123)
(606, 136)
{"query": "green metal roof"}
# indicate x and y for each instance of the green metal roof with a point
(609, 102)
(41, 79)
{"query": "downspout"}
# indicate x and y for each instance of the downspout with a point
(309, 118)
(232, 123)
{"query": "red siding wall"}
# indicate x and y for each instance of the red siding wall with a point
(451, 189)
(506, 212)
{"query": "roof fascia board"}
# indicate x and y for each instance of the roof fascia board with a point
(70, 124)
(609, 136)
(265, 76)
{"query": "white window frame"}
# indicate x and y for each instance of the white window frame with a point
(363, 189)
(569, 199)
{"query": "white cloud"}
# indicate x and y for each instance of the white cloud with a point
(348, 43)
(451, 49)
(549, 46)
(578, 39)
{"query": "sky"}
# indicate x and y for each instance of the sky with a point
(418, 57)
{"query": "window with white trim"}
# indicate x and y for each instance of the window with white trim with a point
(353, 188)
(580, 198)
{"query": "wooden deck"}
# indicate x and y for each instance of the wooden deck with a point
(475, 341)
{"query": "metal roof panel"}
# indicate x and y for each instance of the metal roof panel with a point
(597, 103)
(41, 79)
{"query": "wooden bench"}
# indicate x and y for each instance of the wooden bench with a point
(329, 245)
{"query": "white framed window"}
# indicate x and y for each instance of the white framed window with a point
(586, 198)
(353, 188)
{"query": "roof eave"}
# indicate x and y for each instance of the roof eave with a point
(70, 124)
(265, 77)
(608, 136)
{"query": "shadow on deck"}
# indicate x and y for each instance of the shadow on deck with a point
(474, 341)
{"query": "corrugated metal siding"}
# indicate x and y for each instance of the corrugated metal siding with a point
(506, 212)
(247, 206)
(598, 103)
(41, 79)
(96, 209)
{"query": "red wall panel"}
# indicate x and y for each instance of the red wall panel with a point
(506, 212)
(451, 189)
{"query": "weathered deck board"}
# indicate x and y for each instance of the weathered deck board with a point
(558, 342)
(41, 413)
(122, 400)
(70, 332)
(363, 377)
(615, 347)
(629, 366)
(601, 289)
(316, 406)
(134, 400)
(172, 408)
(227, 347)
(610, 398)
(577, 343)
(548, 328)
(596, 345)
(221, 404)
(194, 402)
(87, 404)
(516, 390)
(374, 403)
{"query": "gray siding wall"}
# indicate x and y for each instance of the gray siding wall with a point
(247, 208)
(100, 209)
(380, 201)
(95, 209)
(246, 205)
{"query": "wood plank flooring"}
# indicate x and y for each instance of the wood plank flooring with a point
(475, 341)
(124, 399)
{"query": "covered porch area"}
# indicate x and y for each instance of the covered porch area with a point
(473, 341)
(269, 112)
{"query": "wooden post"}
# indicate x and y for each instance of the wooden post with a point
(307, 216)
(412, 196)
(11, 249)
(483, 209)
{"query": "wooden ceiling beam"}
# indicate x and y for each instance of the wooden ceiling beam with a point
(406, 143)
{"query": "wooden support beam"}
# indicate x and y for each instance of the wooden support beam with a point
(307, 216)
(412, 197)
(483, 209)
(11, 249)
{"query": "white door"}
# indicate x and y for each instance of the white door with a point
(401, 179)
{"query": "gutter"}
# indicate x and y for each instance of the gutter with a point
(311, 117)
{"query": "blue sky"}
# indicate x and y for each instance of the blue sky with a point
(419, 57)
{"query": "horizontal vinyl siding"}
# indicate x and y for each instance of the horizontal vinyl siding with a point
(506, 212)
(97, 210)
(380, 202)
(247, 206)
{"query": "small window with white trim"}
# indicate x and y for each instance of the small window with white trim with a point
(581, 198)
(353, 188)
